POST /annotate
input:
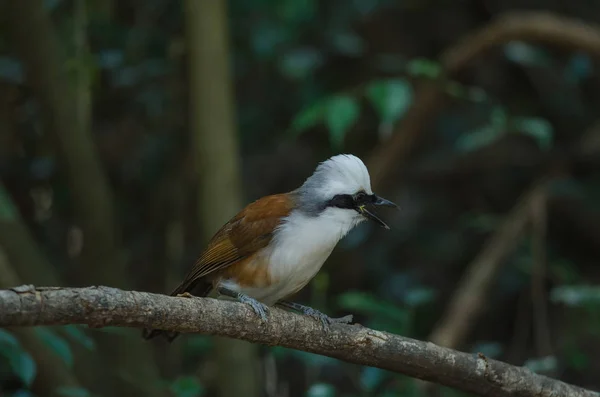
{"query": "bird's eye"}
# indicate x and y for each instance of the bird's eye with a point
(360, 196)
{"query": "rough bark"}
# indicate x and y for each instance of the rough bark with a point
(104, 306)
(216, 155)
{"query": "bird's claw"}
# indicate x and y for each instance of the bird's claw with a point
(325, 319)
(185, 295)
(259, 308)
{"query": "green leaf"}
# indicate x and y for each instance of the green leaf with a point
(424, 68)
(76, 333)
(19, 360)
(480, 221)
(540, 129)
(51, 5)
(475, 94)
(115, 330)
(487, 134)
(342, 113)
(526, 54)
(8, 211)
(300, 63)
(576, 295)
(489, 349)
(11, 70)
(309, 117)
(198, 344)
(348, 43)
(23, 365)
(544, 364)
(313, 360)
(310, 359)
(280, 352)
(372, 377)
(73, 392)
(499, 118)
(22, 393)
(296, 12)
(456, 89)
(419, 296)
(56, 343)
(478, 138)
(321, 390)
(187, 386)
(391, 98)
(576, 358)
(565, 271)
(6, 338)
(367, 304)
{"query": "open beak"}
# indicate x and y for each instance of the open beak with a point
(378, 201)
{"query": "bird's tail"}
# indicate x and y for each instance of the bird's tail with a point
(200, 288)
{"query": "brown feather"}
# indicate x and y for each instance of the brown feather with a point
(234, 245)
(249, 272)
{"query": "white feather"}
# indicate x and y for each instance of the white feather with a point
(341, 174)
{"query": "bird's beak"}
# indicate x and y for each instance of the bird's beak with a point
(378, 201)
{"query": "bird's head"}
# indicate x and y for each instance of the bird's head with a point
(340, 189)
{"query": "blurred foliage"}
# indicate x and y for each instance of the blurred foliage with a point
(187, 386)
(313, 79)
(16, 358)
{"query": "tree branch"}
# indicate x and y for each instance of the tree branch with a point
(105, 306)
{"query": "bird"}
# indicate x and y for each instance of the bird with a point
(274, 246)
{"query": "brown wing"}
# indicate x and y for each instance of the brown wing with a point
(245, 234)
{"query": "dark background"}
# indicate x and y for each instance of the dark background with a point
(131, 130)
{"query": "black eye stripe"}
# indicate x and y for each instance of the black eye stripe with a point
(345, 201)
(348, 201)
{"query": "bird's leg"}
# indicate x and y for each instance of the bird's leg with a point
(309, 311)
(259, 308)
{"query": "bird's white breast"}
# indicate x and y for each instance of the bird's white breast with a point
(300, 246)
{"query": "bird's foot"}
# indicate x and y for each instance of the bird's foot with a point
(259, 308)
(325, 320)
(185, 295)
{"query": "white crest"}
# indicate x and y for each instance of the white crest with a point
(341, 174)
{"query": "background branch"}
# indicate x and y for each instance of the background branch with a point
(104, 306)
(37, 44)
(543, 339)
(539, 27)
(215, 152)
(470, 298)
